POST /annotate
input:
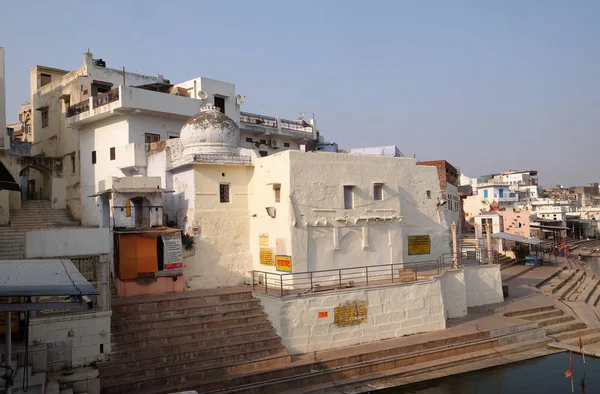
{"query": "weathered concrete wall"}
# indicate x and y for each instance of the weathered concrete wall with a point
(454, 293)
(4, 207)
(64, 242)
(329, 320)
(221, 230)
(3, 135)
(72, 340)
(483, 285)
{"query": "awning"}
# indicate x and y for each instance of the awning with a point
(549, 227)
(39, 278)
(7, 182)
(517, 238)
(133, 190)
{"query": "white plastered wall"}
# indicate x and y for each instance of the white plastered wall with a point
(322, 233)
(483, 285)
(297, 320)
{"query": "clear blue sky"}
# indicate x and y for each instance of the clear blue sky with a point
(489, 86)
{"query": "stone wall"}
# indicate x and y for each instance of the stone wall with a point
(72, 340)
(328, 320)
(483, 285)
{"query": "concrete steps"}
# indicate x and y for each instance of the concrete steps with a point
(33, 215)
(361, 360)
(572, 285)
(552, 319)
(322, 375)
(342, 383)
(558, 281)
(161, 341)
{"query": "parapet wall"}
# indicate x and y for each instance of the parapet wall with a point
(321, 321)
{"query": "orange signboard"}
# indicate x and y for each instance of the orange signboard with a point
(323, 315)
(283, 263)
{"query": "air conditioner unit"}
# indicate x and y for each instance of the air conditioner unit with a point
(274, 143)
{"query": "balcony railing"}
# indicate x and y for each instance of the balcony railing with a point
(97, 101)
(267, 121)
(106, 98)
(78, 108)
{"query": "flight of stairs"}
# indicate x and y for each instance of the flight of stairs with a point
(171, 342)
(33, 215)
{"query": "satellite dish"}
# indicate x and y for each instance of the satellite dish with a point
(202, 95)
(241, 99)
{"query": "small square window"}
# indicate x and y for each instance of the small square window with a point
(264, 142)
(429, 194)
(224, 192)
(378, 192)
(94, 157)
(263, 153)
(286, 144)
(248, 139)
(112, 153)
(348, 197)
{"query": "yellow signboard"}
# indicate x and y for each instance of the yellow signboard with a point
(263, 239)
(350, 313)
(266, 256)
(419, 244)
(283, 263)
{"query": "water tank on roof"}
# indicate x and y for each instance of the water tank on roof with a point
(99, 62)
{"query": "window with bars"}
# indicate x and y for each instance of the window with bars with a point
(45, 119)
(348, 197)
(150, 138)
(378, 192)
(224, 192)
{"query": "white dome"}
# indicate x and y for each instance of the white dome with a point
(210, 131)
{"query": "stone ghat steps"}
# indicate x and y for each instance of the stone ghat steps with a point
(138, 349)
(299, 374)
(324, 374)
(179, 300)
(573, 285)
(159, 341)
(552, 319)
(347, 380)
(184, 311)
(558, 281)
(518, 270)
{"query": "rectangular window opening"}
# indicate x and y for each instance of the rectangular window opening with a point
(45, 79)
(429, 194)
(286, 144)
(378, 192)
(248, 139)
(277, 190)
(150, 138)
(224, 192)
(220, 103)
(263, 153)
(45, 119)
(73, 163)
(94, 157)
(348, 197)
(112, 153)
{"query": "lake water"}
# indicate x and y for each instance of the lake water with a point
(542, 375)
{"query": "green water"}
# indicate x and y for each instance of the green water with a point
(542, 375)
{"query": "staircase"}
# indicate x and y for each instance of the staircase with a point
(191, 338)
(33, 215)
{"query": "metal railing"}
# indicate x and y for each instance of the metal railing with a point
(282, 284)
(76, 109)
(262, 120)
(106, 98)
(298, 125)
